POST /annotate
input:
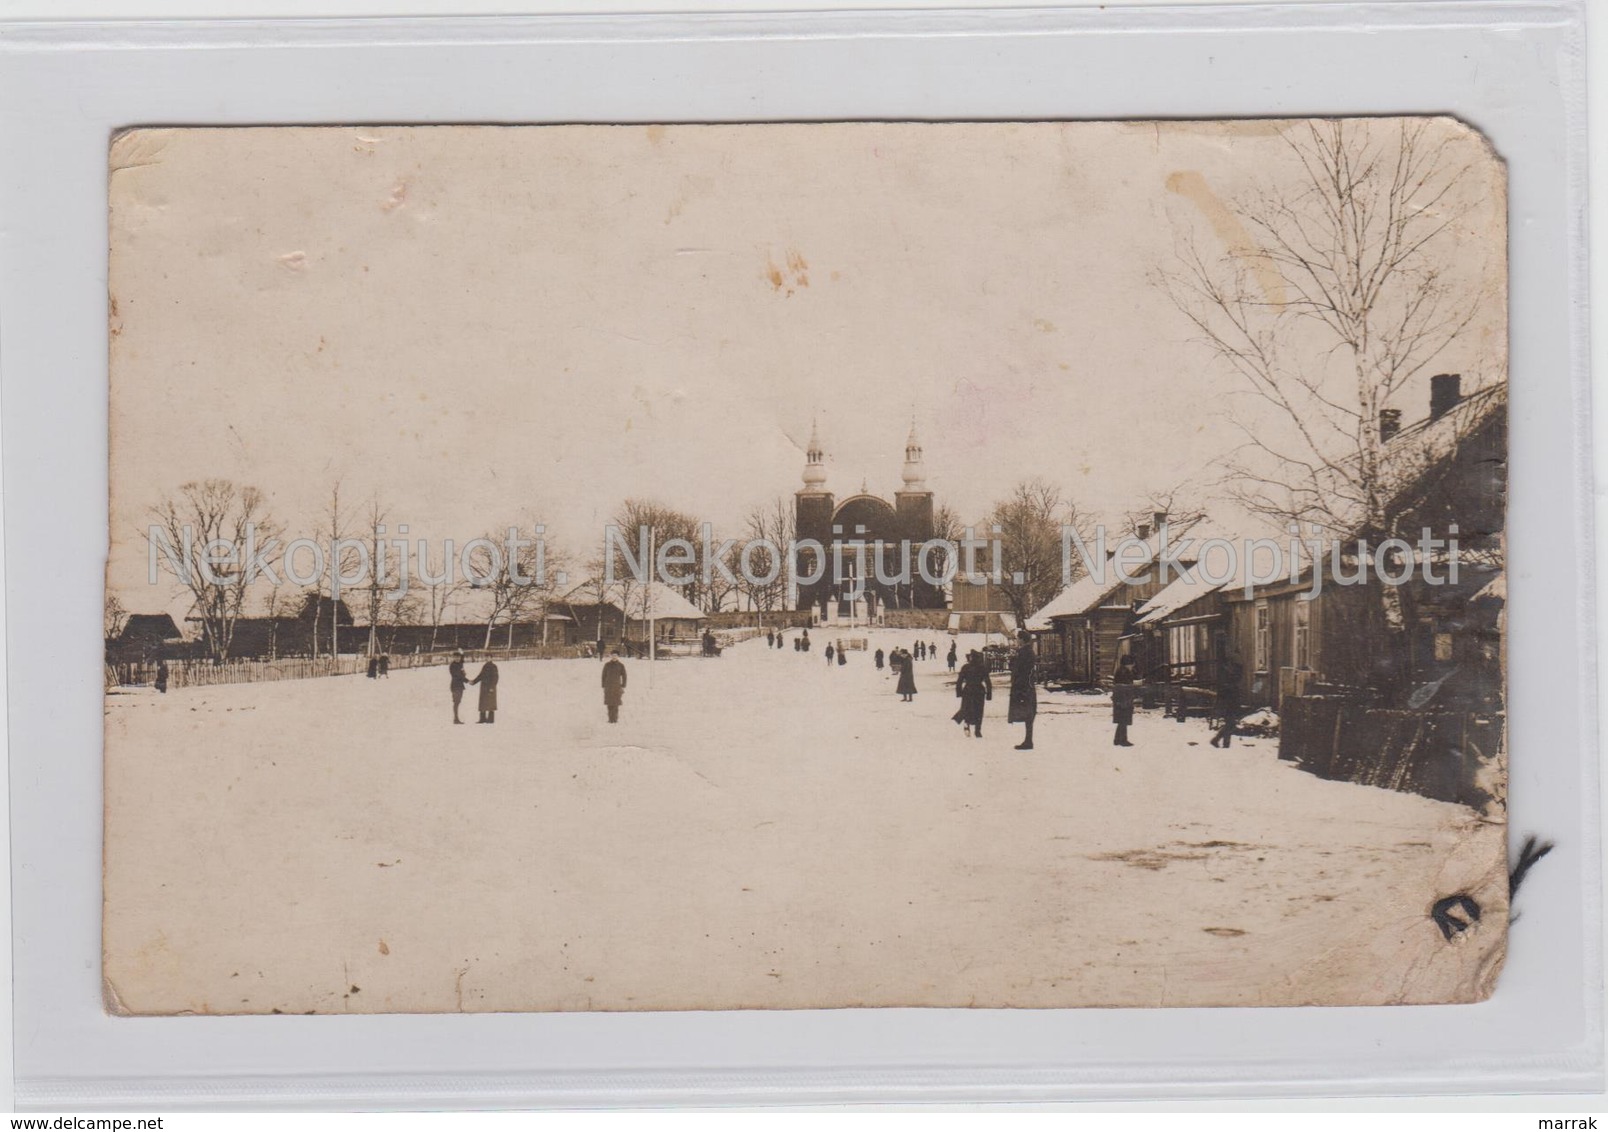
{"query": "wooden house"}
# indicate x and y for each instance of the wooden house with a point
(1090, 625)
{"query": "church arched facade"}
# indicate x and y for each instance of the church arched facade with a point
(853, 532)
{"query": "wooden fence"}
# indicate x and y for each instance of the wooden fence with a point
(1445, 755)
(203, 673)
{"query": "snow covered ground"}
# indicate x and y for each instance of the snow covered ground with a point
(759, 830)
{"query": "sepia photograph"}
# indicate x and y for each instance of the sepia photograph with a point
(789, 566)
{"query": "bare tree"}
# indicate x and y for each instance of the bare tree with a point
(1027, 527)
(439, 597)
(115, 617)
(515, 581)
(1179, 504)
(768, 529)
(663, 524)
(1340, 297)
(342, 557)
(212, 536)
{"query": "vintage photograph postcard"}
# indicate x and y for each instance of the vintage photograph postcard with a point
(688, 567)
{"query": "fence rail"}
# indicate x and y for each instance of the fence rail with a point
(204, 673)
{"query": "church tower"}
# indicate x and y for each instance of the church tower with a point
(913, 504)
(812, 518)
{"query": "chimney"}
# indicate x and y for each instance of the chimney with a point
(1389, 424)
(1445, 391)
(1143, 531)
(1158, 520)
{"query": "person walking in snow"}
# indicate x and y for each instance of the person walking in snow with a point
(770, 639)
(1024, 691)
(878, 658)
(162, 675)
(385, 665)
(614, 685)
(843, 654)
(1228, 703)
(829, 653)
(973, 687)
(1122, 697)
(486, 678)
(951, 657)
(459, 680)
(907, 678)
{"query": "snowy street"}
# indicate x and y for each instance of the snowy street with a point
(759, 830)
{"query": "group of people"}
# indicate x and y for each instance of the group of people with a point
(614, 680)
(801, 643)
(379, 666)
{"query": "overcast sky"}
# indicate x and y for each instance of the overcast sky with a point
(494, 325)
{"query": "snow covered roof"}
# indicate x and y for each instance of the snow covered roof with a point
(1180, 593)
(1089, 591)
(661, 600)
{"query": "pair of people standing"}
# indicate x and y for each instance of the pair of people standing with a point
(974, 686)
(486, 678)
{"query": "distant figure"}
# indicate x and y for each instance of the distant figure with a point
(974, 687)
(385, 665)
(1024, 693)
(459, 680)
(373, 667)
(1122, 697)
(878, 657)
(829, 653)
(161, 676)
(1228, 703)
(907, 678)
(932, 650)
(779, 636)
(613, 686)
(487, 679)
(804, 641)
(770, 639)
(843, 654)
(921, 651)
(951, 657)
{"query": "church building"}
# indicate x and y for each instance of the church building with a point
(850, 531)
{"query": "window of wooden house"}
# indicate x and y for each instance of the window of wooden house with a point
(1264, 636)
(1183, 648)
(1302, 643)
(1443, 647)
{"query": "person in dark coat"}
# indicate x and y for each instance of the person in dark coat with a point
(843, 654)
(878, 657)
(613, 686)
(921, 650)
(804, 642)
(459, 680)
(770, 639)
(161, 676)
(487, 679)
(829, 653)
(907, 678)
(974, 687)
(953, 652)
(1228, 703)
(373, 667)
(385, 665)
(1024, 692)
(1122, 697)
